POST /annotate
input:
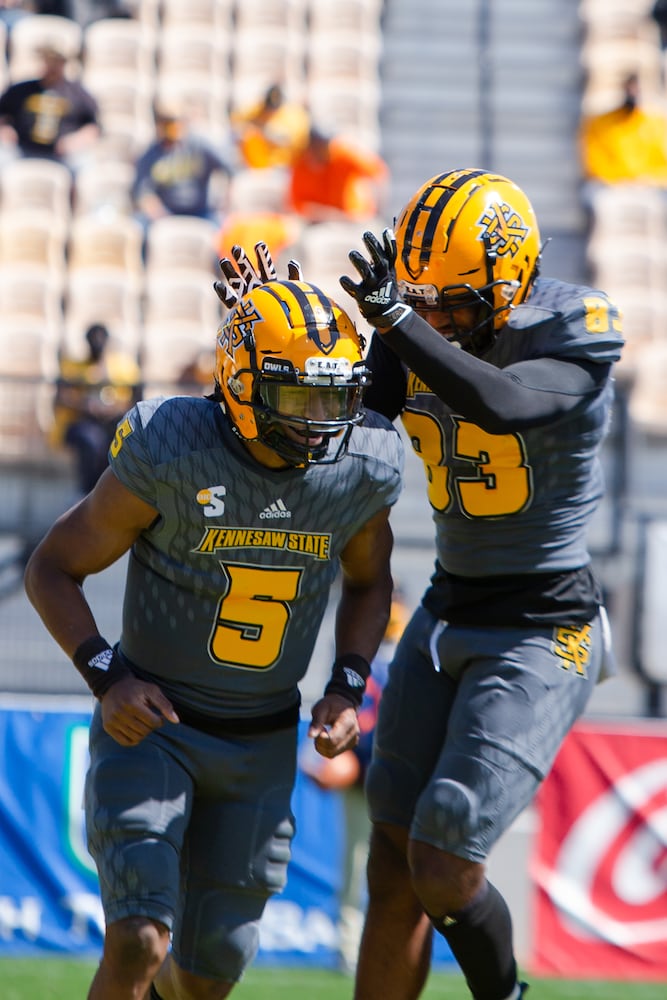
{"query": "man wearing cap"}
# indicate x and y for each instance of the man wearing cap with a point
(174, 175)
(51, 116)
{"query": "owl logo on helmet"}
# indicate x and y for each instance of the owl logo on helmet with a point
(468, 240)
(290, 371)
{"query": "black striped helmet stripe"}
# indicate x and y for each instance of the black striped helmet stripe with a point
(435, 211)
(303, 300)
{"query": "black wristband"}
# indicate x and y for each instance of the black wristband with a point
(348, 677)
(99, 665)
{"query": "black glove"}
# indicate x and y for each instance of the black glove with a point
(377, 293)
(240, 279)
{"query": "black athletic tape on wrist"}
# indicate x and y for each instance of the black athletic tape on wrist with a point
(99, 665)
(348, 677)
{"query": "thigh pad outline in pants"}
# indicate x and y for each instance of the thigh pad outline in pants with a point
(137, 803)
(517, 699)
(235, 857)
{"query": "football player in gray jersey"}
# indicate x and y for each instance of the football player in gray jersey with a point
(238, 511)
(503, 381)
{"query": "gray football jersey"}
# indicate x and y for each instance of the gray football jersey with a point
(227, 589)
(521, 502)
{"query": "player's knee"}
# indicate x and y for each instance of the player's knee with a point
(449, 814)
(226, 951)
(136, 947)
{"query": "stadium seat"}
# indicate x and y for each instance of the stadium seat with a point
(262, 55)
(122, 93)
(177, 294)
(28, 33)
(342, 56)
(27, 350)
(345, 15)
(167, 349)
(37, 183)
(32, 236)
(106, 241)
(648, 399)
(104, 186)
(184, 242)
(287, 17)
(215, 15)
(108, 295)
(33, 292)
(193, 47)
(204, 99)
(258, 190)
(121, 44)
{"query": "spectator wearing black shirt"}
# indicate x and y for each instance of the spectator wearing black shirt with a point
(50, 116)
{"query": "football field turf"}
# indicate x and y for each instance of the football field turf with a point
(60, 979)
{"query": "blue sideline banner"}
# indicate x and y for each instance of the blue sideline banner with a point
(49, 900)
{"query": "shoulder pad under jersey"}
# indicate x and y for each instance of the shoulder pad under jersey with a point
(569, 321)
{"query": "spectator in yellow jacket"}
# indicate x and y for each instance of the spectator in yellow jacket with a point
(627, 145)
(272, 131)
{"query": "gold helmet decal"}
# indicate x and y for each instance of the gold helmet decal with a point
(504, 229)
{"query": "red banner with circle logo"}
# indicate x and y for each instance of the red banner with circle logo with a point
(600, 866)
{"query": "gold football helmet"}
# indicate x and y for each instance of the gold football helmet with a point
(468, 239)
(289, 367)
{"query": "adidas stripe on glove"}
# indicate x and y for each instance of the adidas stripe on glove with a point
(377, 293)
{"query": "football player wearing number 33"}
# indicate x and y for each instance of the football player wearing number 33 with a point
(503, 380)
(239, 510)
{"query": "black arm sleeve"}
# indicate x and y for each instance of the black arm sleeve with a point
(500, 401)
(386, 394)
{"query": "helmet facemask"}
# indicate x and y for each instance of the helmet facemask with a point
(300, 415)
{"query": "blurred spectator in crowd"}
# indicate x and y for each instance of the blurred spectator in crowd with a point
(50, 116)
(347, 773)
(333, 178)
(91, 395)
(627, 145)
(659, 15)
(196, 377)
(270, 132)
(179, 173)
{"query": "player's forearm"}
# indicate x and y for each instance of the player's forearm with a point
(60, 603)
(499, 400)
(362, 617)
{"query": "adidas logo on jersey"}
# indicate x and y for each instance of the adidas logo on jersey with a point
(382, 296)
(276, 509)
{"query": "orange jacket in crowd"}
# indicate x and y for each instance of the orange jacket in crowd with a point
(333, 177)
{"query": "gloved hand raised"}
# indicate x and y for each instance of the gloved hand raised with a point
(240, 278)
(377, 293)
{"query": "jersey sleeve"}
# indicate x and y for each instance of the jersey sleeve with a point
(386, 393)
(379, 445)
(130, 459)
(571, 322)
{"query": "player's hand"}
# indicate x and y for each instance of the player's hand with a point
(241, 276)
(377, 293)
(131, 709)
(334, 725)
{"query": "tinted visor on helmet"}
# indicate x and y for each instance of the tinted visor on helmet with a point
(315, 404)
